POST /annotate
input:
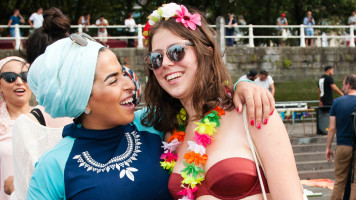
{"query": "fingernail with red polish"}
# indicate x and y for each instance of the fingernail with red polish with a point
(265, 121)
(259, 125)
(272, 112)
(252, 122)
(238, 109)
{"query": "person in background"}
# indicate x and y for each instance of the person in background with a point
(282, 21)
(326, 86)
(14, 101)
(265, 81)
(36, 18)
(340, 124)
(231, 22)
(352, 19)
(309, 22)
(16, 18)
(251, 75)
(102, 32)
(130, 23)
(84, 21)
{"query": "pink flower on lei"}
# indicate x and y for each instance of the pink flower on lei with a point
(202, 139)
(169, 156)
(187, 192)
(188, 19)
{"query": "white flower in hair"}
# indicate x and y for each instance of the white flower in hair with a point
(154, 17)
(169, 10)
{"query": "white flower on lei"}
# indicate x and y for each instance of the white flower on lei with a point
(170, 146)
(169, 10)
(196, 147)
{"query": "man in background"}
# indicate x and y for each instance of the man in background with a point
(231, 22)
(265, 81)
(251, 75)
(340, 124)
(326, 86)
(309, 22)
(102, 32)
(36, 19)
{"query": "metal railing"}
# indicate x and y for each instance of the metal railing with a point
(250, 36)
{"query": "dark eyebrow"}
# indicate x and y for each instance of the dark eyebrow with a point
(111, 75)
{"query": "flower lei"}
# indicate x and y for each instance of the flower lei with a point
(192, 174)
(166, 11)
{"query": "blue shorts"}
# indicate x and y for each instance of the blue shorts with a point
(309, 32)
(12, 32)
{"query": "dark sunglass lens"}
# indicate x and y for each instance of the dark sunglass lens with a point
(156, 60)
(24, 76)
(9, 77)
(78, 39)
(176, 52)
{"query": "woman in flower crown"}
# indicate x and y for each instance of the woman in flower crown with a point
(213, 152)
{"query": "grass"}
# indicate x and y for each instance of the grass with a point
(300, 91)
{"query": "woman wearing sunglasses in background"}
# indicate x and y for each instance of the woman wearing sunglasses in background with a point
(210, 153)
(14, 100)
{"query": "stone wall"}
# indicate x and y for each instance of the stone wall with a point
(283, 63)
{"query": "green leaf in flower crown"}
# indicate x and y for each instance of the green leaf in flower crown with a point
(159, 11)
(154, 18)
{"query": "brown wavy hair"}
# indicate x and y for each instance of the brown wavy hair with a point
(209, 89)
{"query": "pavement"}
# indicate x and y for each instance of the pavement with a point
(325, 193)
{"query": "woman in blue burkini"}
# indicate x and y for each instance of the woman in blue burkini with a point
(103, 155)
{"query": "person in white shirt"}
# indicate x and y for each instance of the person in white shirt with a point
(102, 32)
(266, 81)
(36, 19)
(84, 21)
(251, 75)
(352, 19)
(130, 23)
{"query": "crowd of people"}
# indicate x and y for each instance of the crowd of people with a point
(36, 21)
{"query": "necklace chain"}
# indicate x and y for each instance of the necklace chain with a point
(195, 159)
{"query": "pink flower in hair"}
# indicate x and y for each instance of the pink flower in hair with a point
(188, 19)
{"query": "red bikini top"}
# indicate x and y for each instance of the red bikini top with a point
(231, 178)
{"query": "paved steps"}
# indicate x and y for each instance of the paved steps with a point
(309, 153)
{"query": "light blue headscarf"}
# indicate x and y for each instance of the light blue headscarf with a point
(62, 78)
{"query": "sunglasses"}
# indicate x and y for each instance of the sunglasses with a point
(174, 52)
(81, 38)
(11, 77)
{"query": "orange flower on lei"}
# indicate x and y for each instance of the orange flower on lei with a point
(176, 135)
(219, 110)
(195, 157)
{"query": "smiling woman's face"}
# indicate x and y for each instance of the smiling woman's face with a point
(16, 93)
(110, 103)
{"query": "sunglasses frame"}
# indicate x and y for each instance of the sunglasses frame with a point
(22, 75)
(81, 38)
(183, 44)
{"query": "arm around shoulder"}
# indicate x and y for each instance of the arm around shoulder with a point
(274, 148)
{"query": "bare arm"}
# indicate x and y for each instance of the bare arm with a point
(259, 102)
(9, 23)
(21, 19)
(273, 145)
(30, 22)
(336, 89)
(320, 102)
(331, 134)
(272, 88)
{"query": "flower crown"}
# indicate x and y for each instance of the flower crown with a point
(180, 12)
